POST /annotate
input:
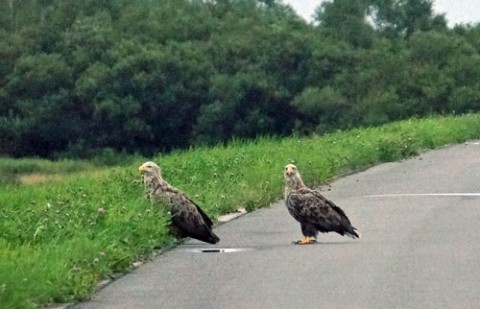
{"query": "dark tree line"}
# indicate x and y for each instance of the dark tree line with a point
(78, 77)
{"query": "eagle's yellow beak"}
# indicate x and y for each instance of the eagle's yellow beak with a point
(142, 169)
(289, 171)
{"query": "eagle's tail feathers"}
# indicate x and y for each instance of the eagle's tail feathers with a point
(354, 233)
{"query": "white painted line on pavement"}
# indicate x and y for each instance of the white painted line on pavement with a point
(421, 194)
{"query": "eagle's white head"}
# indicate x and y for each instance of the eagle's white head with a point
(149, 168)
(293, 180)
(290, 170)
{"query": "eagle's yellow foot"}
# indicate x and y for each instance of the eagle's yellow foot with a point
(305, 241)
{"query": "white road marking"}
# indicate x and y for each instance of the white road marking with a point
(421, 194)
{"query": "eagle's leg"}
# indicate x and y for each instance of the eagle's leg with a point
(306, 241)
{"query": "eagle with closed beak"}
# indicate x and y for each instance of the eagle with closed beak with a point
(314, 212)
(188, 219)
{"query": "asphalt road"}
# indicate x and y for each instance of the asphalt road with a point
(420, 248)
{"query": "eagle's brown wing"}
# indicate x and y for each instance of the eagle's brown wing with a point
(189, 220)
(205, 218)
(318, 214)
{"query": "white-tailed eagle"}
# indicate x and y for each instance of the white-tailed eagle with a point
(188, 219)
(314, 212)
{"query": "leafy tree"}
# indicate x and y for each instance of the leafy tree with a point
(433, 74)
(87, 40)
(319, 109)
(345, 20)
(380, 107)
(40, 83)
(405, 17)
(84, 77)
(244, 106)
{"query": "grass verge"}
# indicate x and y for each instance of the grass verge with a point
(59, 237)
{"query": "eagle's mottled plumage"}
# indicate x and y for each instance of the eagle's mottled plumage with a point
(314, 212)
(188, 219)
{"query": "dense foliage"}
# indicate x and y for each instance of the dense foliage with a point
(81, 77)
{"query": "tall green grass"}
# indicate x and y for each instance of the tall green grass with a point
(18, 171)
(11, 170)
(59, 237)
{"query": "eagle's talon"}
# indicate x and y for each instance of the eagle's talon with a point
(305, 241)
